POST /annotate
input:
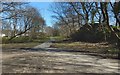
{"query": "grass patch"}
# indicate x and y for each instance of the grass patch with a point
(23, 39)
(80, 45)
(58, 38)
(22, 42)
(19, 45)
(99, 48)
(41, 40)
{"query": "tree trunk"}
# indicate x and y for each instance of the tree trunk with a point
(106, 17)
(117, 19)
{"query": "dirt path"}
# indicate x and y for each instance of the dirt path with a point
(49, 61)
(44, 45)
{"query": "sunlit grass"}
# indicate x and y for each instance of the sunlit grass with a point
(80, 45)
(58, 38)
(19, 45)
(91, 47)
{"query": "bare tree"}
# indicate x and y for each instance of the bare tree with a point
(116, 11)
(67, 16)
(22, 17)
(104, 7)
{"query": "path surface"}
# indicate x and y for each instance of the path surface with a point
(44, 45)
(39, 60)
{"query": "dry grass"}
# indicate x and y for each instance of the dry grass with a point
(81, 45)
(102, 48)
(19, 45)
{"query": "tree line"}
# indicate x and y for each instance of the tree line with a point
(81, 20)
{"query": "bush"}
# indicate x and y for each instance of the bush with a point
(86, 35)
(5, 40)
(21, 39)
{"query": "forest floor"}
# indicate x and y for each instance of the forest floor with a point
(43, 59)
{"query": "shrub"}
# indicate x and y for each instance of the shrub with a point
(87, 35)
(21, 39)
(5, 40)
